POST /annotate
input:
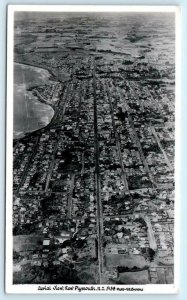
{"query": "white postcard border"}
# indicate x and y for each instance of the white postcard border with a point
(88, 289)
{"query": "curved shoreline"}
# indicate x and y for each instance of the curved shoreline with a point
(27, 134)
(37, 99)
(35, 66)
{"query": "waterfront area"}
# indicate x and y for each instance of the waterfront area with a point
(93, 184)
(30, 114)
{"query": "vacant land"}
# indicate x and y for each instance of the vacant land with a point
(140, 277)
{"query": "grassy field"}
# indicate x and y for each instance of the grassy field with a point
(114, 260)
(140, 277)
(26, 242)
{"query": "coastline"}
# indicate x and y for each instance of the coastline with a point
(37, 99)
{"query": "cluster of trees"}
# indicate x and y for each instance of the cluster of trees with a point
(122, 269)
(148, 253)
(25, 229)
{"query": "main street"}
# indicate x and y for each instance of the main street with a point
(98, 187)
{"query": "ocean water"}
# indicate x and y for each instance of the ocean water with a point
(29, 113)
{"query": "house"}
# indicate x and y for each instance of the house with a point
(46, 242)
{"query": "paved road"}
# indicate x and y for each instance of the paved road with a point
(59, 108)
(137, 141)
(161, 148)
(124, 177)
(27, 166)
(70, 194)
(98, 187)
(51, 167)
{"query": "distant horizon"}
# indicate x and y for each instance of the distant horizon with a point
(18, 16)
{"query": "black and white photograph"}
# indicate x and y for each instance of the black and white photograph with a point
(91, 102)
